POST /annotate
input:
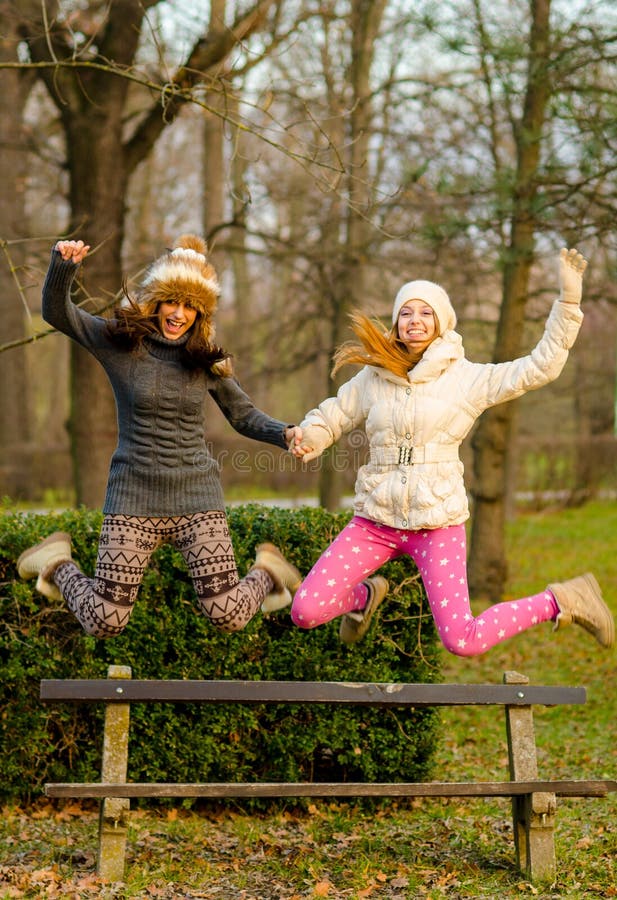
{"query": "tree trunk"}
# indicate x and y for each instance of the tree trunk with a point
(239, 251)
(252, 348)
(365, 21)
(493, 437)
(213, 161)
(15, 394)
(98, 184)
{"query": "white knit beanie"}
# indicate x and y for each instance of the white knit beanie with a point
(433, 295)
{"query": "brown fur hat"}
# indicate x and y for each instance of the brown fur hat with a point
(183, 274)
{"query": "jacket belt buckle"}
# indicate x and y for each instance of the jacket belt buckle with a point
(405, 456)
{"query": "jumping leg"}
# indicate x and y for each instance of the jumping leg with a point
(441, 558)
(226, 600)
(103, 604)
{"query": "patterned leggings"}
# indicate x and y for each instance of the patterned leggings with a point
(104, 604)
(334, 586)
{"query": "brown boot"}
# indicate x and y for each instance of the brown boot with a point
(580, 602)
(43, 559)
(354, 625)
(286, 577)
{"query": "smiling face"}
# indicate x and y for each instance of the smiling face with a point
(174, 319)
(416, 325)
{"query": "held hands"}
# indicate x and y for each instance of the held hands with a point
(305, 452)
(572, 266)
(301, 451)
(310, 442)
(75, 251)
(293, 437)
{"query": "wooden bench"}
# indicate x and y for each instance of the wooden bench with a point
(533, 799)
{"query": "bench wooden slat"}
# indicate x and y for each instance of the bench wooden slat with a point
(363, 693)
(326, 789)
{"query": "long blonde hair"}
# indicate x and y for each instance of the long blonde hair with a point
(377, 347)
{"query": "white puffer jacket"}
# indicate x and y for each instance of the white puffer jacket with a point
(414, 477)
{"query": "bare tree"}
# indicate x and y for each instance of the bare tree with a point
(213, 146)
(494, 438)
(88, 62)
(15, 419)
(349, 287)
(317, 232)
(487, 562)
(519, 158)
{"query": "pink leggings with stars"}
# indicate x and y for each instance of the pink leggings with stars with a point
(334, 586)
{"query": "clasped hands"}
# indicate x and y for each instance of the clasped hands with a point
(294, 437)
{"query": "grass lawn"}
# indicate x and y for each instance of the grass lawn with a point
(421, 849)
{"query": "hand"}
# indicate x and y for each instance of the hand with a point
(293, 436)
(304, 452)
(572, 267)
(76, 251)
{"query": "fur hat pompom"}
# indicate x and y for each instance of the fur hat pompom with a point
(183, 274)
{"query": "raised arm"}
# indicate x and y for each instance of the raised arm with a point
(496, 383)
(57, 307)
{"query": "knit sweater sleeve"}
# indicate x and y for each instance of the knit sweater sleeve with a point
(243, 415)
(60, 312)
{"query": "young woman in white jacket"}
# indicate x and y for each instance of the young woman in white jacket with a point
(417, 397)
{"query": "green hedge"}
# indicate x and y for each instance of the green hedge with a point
(167, 638)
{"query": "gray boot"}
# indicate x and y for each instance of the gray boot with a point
(580, 603)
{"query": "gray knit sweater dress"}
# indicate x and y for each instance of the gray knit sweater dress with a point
(162, 465)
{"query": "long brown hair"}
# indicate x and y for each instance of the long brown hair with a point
(134, 322)
(377, 347)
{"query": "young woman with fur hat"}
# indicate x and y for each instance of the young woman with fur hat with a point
(164, 485)
(417, 398)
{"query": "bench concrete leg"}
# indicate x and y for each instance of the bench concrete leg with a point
(113, 815)
(535, 826)
(533, 815)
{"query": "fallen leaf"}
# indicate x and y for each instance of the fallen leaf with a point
(367, 891)
(584, 843)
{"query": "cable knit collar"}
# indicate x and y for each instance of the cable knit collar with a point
(162, 348)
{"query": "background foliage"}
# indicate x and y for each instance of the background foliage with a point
(167, 638)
